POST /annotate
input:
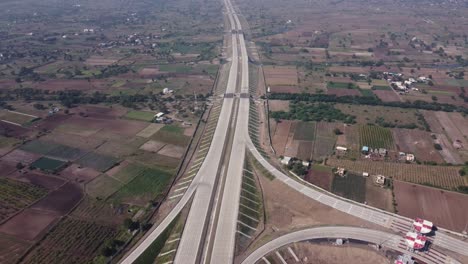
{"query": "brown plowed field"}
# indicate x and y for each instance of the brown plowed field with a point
(446, 209)
(280, 136)
(321, 178)
(386, 96)
(10, 130)
(305, 149)
(37, 178)
(11, 250)
(79, 174)
(61, 200)
(63, 85)
(22, 227)
(417, 142)
(285, 89)
(280, 75)
(51, 122)
(22, 156)
(172, 151)
(278, 105)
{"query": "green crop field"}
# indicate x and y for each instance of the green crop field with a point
(71, 241)
(129, 172)
(15, 195)
(148, 184)
(39, 147)
(66, 152)
(173, 135)
(103, 186)
(97, 161)
(352, 187)
(341, 85)
(375, 137)
(305, 131)
(381, 87)
(47, 164)
(367, 93)
(140, 115)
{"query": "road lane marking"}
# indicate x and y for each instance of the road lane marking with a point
(248, 216)
(246, 225)
(181, 189)
(173, 240)
(243, 234)
(280, 257)
(175, 196)
(293, 254)
(249, 208)
(249, 199)
(166, 253)
(184, 182)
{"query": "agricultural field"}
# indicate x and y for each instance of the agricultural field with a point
(446, 209)
(48, 164)
(351, 186)
(11, 250)
(147, 184)
(71, 241)
(376, 137)
(97, 161)
(140, 115)
(418, 142)
(17, 117)
(382, 115)
(445, 177)
(16, 195)
(451, 131)
(320, 176)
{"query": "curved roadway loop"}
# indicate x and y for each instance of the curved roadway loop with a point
(384, 239)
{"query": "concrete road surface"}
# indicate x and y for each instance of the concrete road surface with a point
(367, 213)
(383, 239)
(202, 183)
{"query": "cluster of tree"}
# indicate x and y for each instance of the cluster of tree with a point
(383, 123)
(112, 70)
(313, 112)
(71, 98)
(366, 100)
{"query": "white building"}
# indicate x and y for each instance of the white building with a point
(286, 160)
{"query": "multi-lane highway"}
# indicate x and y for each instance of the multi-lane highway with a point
(221, 242)
(380, 238)
(204, 181)
(225, 234)
(192, 239)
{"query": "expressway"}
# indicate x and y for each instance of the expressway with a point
(380, 238)
(202, 188)
(193, 236)
(202, 184)
(225, 234)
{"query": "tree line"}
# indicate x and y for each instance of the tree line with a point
(366, 100)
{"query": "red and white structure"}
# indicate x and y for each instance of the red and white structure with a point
(422, 226)
(415, 240)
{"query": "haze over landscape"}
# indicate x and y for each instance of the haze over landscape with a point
(222, 131)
